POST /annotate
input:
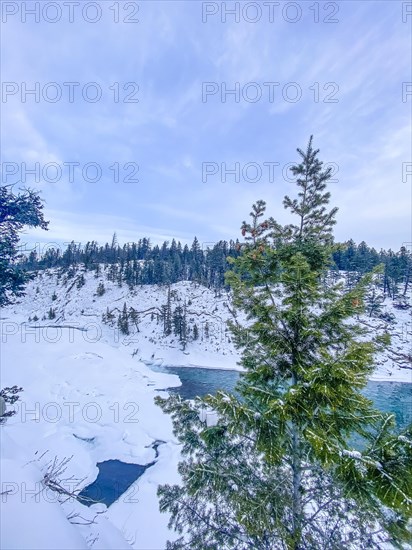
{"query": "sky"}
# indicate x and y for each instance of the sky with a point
(170, 119)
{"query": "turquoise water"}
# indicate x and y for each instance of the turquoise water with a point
(393, 397)
(115, 477)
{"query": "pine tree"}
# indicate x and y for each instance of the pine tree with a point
(196, 259)
(115, 243)
(406, 260)
(16, 212)
(97, 271)
(100, 289)
(51, 313)
(279, 468)
(167, 314)
(374, 301)
(177, 321)
(123, 321)
(184, 328)
(120, 278)
(81, 281)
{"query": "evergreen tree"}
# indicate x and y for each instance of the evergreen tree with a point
(167, 314)
(81, 281)
(16, 212)
(70, 255)
(177, 321)
(112, 273)
(52, 313)
(123, 321)
(184, 328)
(97, 271)
(406, 261)
(120, 277)
(100, 289)
(374, 301)
(278, 469)
(115, 244)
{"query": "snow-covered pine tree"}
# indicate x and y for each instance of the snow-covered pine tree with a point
(81, 281)
(100, 289)
(123, 321)
(16, 211)
(298, 459)
(168, 314)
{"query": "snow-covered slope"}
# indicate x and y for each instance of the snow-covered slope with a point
(88, 397)
(85, 399)
(82, 308)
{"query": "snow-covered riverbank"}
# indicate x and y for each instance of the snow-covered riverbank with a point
(91, 402)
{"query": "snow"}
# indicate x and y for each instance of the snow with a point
(81, 310)
(352, 454)
(209, 416)
(94, 402)
(88, 394)
(393, 364)
(30, 521)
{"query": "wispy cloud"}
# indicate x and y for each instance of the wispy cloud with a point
(172, 130)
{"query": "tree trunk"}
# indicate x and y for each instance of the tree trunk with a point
(296, 485)
(408, 274)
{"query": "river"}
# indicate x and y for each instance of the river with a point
(393, 397)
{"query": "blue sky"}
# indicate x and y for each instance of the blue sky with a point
(361, 61)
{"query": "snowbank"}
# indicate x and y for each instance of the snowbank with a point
(91, 402)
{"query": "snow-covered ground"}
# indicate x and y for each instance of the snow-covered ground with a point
(210, 311)
(88, 397)
(91, 402)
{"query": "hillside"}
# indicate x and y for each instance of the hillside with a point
(75, 302)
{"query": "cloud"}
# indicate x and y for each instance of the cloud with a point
(170, 132)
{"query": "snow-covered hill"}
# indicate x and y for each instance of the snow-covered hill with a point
(82, 309)
(88, 397)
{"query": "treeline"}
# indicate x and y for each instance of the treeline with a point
(360, 259)
(141, 263)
